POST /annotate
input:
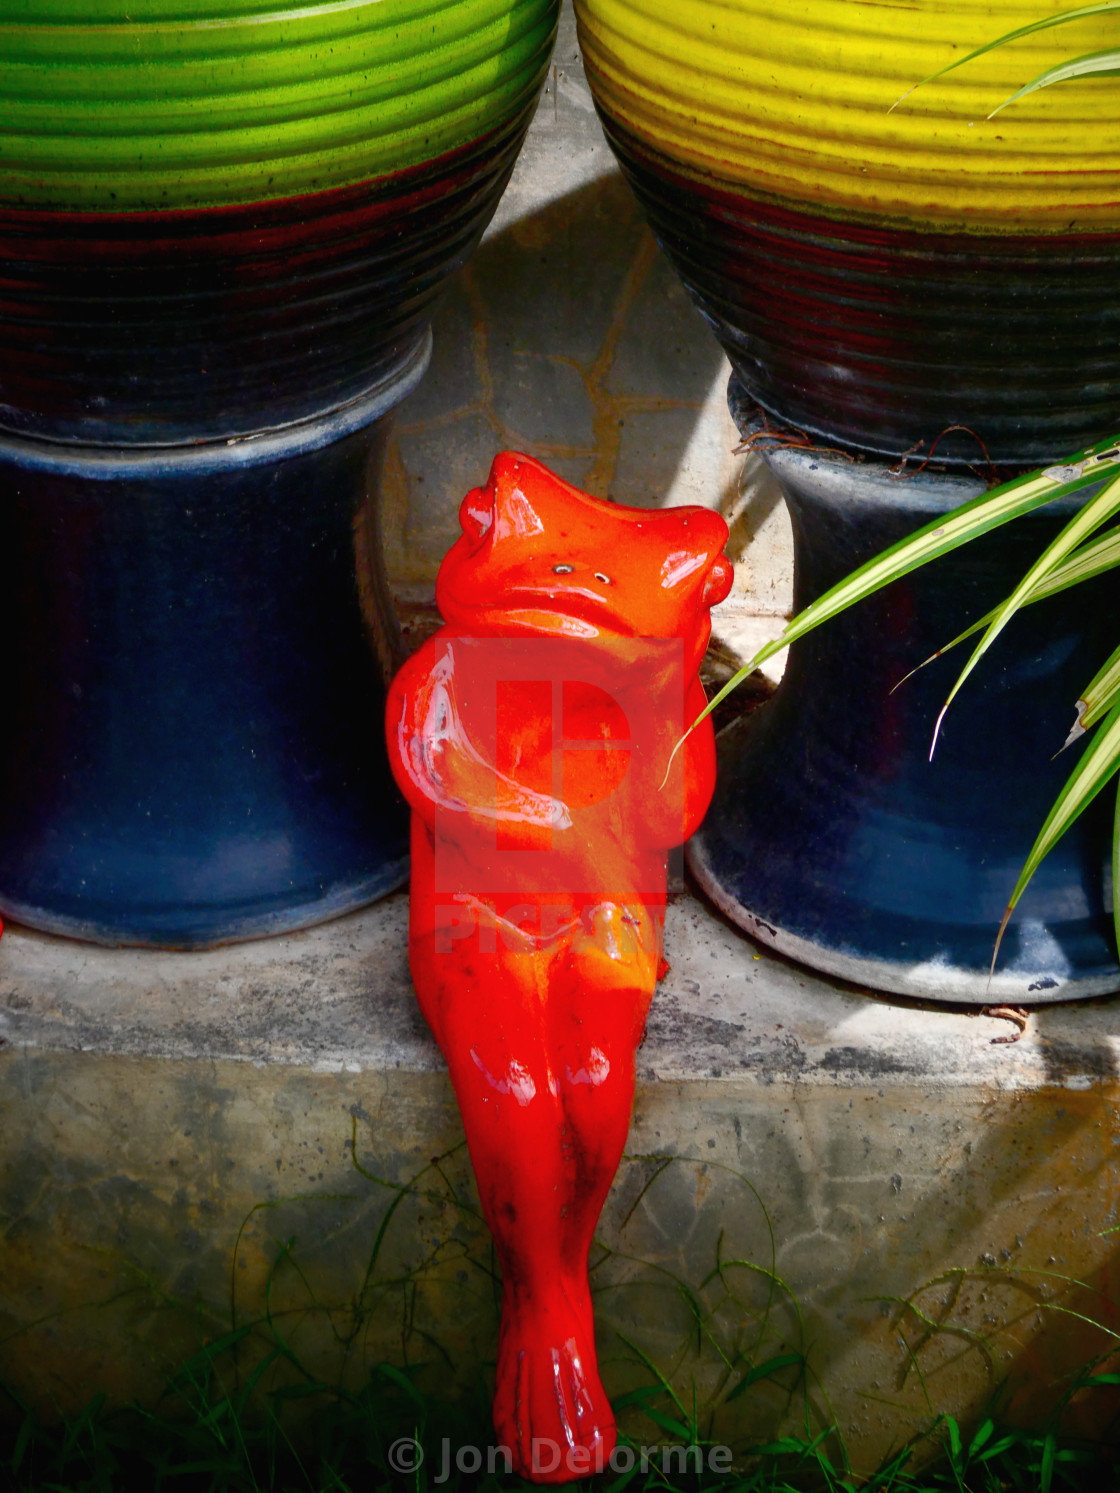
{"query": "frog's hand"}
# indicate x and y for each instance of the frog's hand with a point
(439, 767)
(676, 780)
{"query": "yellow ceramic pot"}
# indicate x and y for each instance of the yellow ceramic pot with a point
(881, 261)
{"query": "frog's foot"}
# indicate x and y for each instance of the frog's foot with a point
(550, 1408)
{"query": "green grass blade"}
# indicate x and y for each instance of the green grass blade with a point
(982, 1435)
(658, 1375)
(23, 1440)
(1097, 511)
(640, 1396)
(997, 1448)
(624, 1479)
(1092, 64)
(1046, 1468)
(953, 1431)
(1099, 763)
(786, 1446)
(765, 1371)
(668, 1423)
(885, 1478)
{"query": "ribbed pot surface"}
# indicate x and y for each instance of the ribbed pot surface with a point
(879, 275)
(218, 215)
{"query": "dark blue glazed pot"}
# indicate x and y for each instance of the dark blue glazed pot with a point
(831, 835)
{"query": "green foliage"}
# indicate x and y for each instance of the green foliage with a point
(246, 1414)
(1088, 546)
(222, 1448)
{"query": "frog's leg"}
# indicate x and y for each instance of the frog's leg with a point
(536, 1180)
(599, 1000)
(593, 1017)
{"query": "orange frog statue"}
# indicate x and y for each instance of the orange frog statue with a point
(534, 737)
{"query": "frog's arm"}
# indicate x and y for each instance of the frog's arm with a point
(439, 767)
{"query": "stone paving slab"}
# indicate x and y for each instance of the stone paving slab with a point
(568, 336)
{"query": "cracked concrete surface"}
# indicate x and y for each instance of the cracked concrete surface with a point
(338, 998)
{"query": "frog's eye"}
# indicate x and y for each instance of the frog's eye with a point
(720, 578)
(562, 569)
(599, 576)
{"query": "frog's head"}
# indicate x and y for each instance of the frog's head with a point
(539, 556)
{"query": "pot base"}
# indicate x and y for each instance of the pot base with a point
(853, 957)
(199, 644)
(833, 838)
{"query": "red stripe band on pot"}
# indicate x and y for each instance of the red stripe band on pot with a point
(187, 324)
(880, 337)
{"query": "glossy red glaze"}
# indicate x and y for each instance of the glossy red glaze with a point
(532, 737)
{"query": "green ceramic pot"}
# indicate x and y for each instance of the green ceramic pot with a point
(222, 227)
(223, 215)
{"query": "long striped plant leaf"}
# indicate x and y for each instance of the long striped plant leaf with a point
(1099, 763)
(1095, 513)
(1097, 698)
(1043, 24)
(1091, 65)
(1091, 560)
(1061, 566)
(939, 537)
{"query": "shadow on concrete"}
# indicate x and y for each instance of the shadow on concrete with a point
(569, 337)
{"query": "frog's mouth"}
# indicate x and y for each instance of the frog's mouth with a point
(572, 612)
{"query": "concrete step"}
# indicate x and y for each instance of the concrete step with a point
(194, 1141)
